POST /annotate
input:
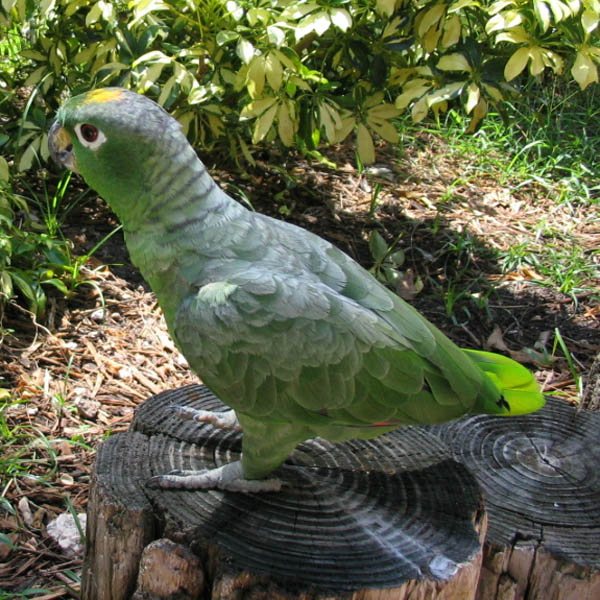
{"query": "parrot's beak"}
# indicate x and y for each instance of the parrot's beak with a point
(61, 147)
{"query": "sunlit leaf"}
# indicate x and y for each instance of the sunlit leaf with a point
(431, 39)
(505, 20)
(346, 126)
(430, 18)
(256, 76)
(384, 111)
(365, 147)
(494, 92)
(456, 6)
(537, 60)
(447, 92)
(479, 112)
(517, 36)
(473, 94)
(384, 129)
(560, 11)
(385, 7)
(245, 50)
(516, 63)
(419, 110)
(543, 14)
(452, 29)
(584, 70)
(276, 35)
(341, 18)
(224, 37)
(589, 20)
(285, 125)
(263, 124)
(454, 62)
(256, 108)
(274, 71)
(412, 92)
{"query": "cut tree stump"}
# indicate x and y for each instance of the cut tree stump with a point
(540, 474)
(391, 518)
(397, 517)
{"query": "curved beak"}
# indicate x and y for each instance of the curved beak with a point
(61, 147)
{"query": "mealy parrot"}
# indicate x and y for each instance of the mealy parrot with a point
(287, 330)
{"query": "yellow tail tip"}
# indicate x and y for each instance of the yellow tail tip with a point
(520, 392)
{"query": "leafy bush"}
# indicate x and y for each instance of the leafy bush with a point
(307, 73)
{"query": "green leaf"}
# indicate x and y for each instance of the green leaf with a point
(29, 156)
(276, 35)
(4, 170)
(584, 70)
(366, 149)
(589, 20)
(377, 246)
(385, 7)
(58, 284)
(454, 62)
(263, 124)
(256, 108)
(34, 55)
(224, 37)
(516, 63)
(285, 124)
(274, 71)
(341, 18)
(245, 50)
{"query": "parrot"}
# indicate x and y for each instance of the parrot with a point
(295, 337)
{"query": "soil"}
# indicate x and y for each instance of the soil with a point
(80, 373)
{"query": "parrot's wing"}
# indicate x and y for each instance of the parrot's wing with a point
(295, 351)
(336, 269)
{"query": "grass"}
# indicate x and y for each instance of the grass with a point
(548, 140)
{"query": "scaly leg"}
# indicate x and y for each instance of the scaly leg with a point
(264, 447)
(219, 420)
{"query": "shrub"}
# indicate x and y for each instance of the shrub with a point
(307, 73)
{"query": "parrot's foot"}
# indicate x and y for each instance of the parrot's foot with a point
(219, 420)
(229, 477)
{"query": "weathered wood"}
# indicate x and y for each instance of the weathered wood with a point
(541, 480)
(591, 387)
(169, 570)
(123, 522)
(395, 517)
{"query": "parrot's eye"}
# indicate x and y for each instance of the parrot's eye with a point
(89, 135)
(89, 132)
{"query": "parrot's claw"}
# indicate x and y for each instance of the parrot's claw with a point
(229, 477)
(219, 420)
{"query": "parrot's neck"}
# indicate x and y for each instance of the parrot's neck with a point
(169, 240)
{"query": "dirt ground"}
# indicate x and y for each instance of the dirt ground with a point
(81, 372)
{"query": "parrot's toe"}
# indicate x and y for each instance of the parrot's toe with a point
(219, 420)
(229, 477)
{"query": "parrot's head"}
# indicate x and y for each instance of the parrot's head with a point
(114, 138)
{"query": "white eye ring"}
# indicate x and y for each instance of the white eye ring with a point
(89, 135)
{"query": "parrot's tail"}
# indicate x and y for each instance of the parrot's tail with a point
(520, 392)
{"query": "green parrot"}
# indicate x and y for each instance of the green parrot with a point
(287, 330)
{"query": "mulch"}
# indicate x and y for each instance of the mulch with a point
(79, 374)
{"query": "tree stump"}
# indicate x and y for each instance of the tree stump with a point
(391, 518)
(541, 478)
